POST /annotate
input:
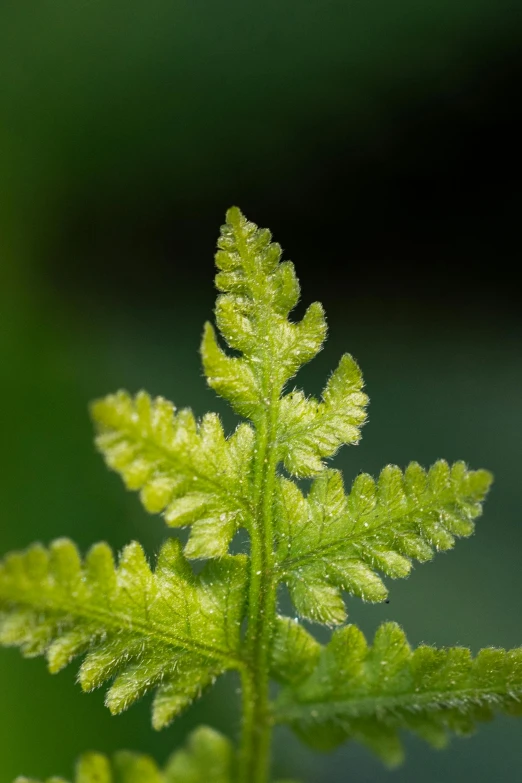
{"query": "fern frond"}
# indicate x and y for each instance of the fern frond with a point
(208, 758)
(330, 542)
(171, 631)
(189, 471)
(370, 693)
(167, 629)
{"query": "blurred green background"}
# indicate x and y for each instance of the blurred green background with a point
(379, 141)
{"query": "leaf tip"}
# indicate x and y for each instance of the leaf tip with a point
(234, 217)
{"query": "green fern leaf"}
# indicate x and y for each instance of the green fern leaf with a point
(252, 316)
(125, 768)
(310, 430)
(329, 542)
(187, 470)
(166, 629)
(208, 758)
(369, 693)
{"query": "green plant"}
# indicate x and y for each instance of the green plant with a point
(172, 631)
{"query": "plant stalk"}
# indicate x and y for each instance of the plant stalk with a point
(256, 737)
(257, 719)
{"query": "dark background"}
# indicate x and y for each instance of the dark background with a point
(380, 142)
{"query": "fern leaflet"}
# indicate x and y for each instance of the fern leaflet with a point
(368, 693)
(310, 430)
(208, 758)
(330, 542)
(168, 630)
(189, 471)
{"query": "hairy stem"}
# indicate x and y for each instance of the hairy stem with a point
(255, 680)
(257, 720)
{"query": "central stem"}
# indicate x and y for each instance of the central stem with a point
(254, 766)
(257, 721)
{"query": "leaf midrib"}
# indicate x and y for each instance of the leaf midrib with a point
(117, 621)
(290, 563)
(369, 706)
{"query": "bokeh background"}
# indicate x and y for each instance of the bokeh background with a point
(380, 142)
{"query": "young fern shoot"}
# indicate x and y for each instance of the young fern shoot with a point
(173, 632)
